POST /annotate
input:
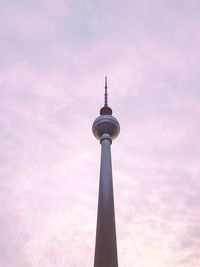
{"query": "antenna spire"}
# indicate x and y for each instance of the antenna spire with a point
(106, 110)
(106, 93)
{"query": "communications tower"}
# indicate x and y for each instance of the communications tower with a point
(106, 128)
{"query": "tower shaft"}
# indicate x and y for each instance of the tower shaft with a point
(106, 244)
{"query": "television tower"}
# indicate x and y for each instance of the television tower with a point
(106, 128)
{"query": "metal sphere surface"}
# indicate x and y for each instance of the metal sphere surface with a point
(106, 124)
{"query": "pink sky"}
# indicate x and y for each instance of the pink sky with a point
(54, 56)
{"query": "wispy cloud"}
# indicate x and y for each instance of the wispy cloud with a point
(53, 62)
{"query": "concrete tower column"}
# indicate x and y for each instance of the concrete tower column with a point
(106, 128)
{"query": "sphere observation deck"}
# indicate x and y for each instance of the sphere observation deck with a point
(106, 124)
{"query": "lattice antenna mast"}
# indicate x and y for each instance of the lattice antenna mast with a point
(106, 93)
(106, 110)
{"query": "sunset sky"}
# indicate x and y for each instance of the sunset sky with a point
(54, 57)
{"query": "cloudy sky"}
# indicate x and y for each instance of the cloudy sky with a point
(54, 56)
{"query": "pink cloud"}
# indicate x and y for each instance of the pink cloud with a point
(51, 92)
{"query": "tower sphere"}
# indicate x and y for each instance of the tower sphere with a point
(106, 124)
